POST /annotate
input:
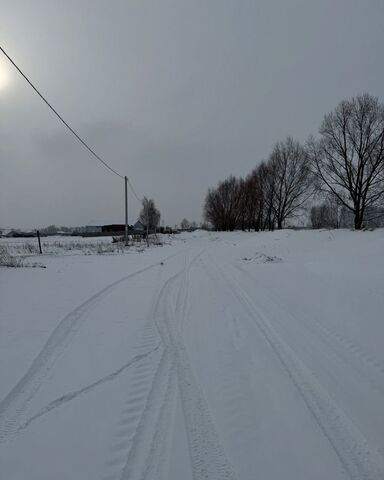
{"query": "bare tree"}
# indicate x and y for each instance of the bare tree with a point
(149, 215)
(244, 203)
(221, 207)
(290, 168)
(253, 199)
(184, 225)
(258, 198)
(349, 157)
(274, 191)
(327, 214)
(252, 195)
(267, 186)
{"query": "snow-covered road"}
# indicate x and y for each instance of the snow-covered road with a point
(221, 356)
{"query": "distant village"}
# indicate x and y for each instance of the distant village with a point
(114, 229)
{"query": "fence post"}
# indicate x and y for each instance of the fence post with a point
(38, 238)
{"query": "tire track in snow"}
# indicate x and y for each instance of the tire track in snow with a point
(337, 342)
(368, 369)
(16, 401)
(242, 420)
(207, 455)
(369, 360)
(147, 438)
(139, 387)
(143, 442)
(68, 397)
(144, 427)
(358, 458)
(157, 466)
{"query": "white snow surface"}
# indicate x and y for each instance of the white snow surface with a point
(218, 356)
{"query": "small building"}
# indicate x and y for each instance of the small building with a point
(103, 230)
(139, 226)
(20, 234)
(113, 228)
(93, 229)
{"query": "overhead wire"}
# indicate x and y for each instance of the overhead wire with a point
(133, 191)
(61, 118)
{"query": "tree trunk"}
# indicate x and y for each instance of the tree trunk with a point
(358, 220)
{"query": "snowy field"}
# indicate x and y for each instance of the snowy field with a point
(66, 245)
(216, 356)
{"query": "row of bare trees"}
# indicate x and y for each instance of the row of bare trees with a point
(344, 167)
(274, 191)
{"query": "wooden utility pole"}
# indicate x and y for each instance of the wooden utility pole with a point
(126, 211)
(147, 224)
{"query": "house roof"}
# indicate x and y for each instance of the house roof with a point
(139, 224)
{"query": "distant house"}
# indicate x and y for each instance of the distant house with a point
(167, 230)
(20, 234)
(5, 232)
(139, 226)
(103, 230)
(113, 228)
(93, 229)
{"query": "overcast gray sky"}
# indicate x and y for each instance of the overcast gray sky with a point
(175, 94)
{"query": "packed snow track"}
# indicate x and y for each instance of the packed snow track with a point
(220, 356)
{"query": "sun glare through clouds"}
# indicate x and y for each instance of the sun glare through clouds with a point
(4, 75)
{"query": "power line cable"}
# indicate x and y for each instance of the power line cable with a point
(62, 119)
(133, 191)
(68, 126)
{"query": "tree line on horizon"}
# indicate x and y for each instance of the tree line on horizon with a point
(339, 174)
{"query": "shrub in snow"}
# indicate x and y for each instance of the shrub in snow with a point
(8, 260)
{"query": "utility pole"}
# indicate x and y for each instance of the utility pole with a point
(147, 225)
(126, 211)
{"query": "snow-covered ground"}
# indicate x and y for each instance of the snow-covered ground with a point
(218, 356)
